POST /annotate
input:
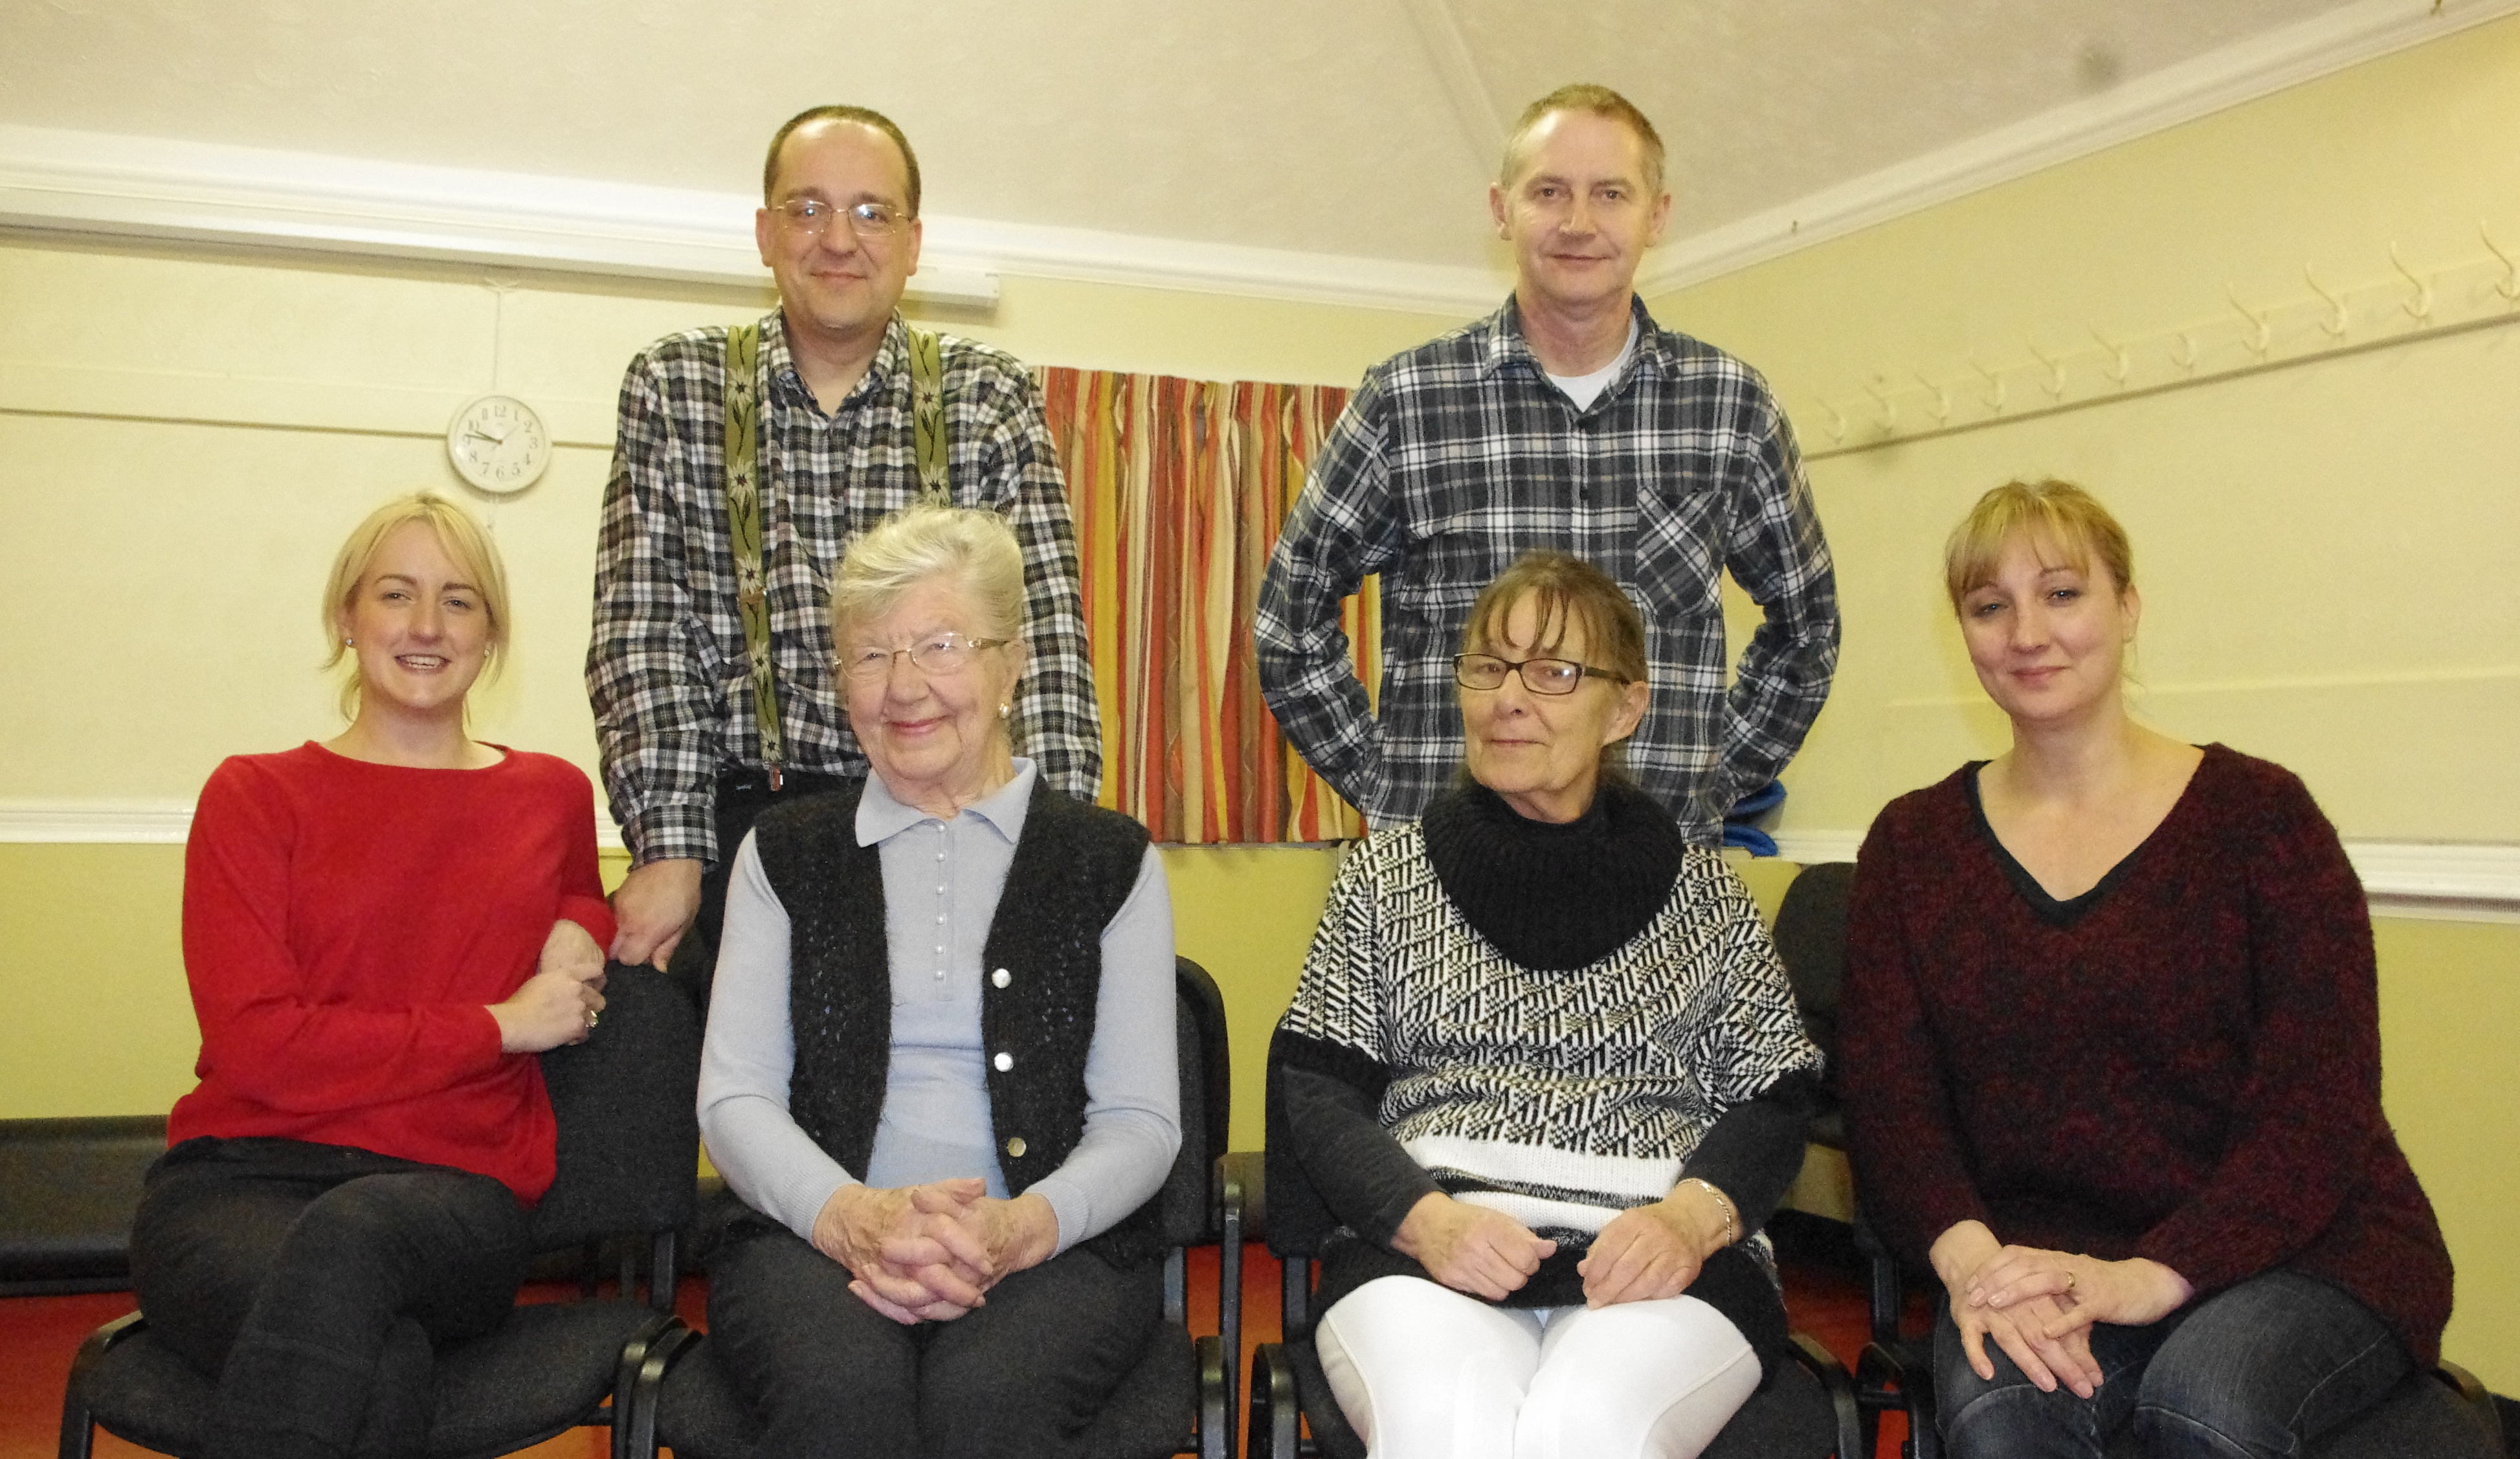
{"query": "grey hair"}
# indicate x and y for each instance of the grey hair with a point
(921, 542)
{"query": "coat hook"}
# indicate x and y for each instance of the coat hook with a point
(2117, 376)
(1836, 422)
(2335, 322)
(2422, 307)
(1941, 411)
(2185, 356)
(2263, 331)
(1889, 410)
(2054, 384)
(1995, 401)
(2509, 288)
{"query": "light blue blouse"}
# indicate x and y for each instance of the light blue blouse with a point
(941, 881)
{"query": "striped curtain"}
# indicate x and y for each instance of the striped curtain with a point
(1179, 488)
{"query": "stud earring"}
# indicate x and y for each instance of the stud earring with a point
(345, 643)
(1006, 712)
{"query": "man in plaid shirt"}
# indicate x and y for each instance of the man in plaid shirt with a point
(1566, 420)
(667, 667)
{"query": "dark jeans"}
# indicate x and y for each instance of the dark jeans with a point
(1022, 1376)
(2258, 1370)
(313, 1283)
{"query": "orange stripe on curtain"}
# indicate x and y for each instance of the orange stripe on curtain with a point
(1178, 489)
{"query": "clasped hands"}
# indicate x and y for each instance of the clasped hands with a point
(1646, 1252)
(930, 1252)
(2038, 1306)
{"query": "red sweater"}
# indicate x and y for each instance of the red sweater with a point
(2189, 1073)
(345, 924)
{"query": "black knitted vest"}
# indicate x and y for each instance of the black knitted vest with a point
(1072, 870)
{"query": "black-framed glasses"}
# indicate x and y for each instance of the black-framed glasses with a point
(938, 656)
(810, 218)
(1539, 675)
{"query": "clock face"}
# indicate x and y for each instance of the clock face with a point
(498, 444)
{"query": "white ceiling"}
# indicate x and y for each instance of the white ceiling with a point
(1359, 129)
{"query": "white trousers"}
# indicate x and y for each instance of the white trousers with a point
(1423, 1371)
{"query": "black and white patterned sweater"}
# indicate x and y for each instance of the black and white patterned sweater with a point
(1551, 1021)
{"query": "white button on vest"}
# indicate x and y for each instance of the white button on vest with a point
(1002, 978)
(1015, 1146)
(1005, 1061)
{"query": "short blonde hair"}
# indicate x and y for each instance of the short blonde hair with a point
(921, 542)
(463, 542)
(2055, 517)
(1599, 101)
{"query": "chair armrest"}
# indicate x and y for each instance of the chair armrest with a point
(659, 1343)
(1238, 1172)
(2479, 1399)
(1215, 1399)
(1822, 1364)
(1275, 1412)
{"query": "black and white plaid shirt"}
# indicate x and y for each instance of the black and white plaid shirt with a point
(1457, 457)
(665, 666)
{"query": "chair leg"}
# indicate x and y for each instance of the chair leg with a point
(1853, 1442)
(79, 1421)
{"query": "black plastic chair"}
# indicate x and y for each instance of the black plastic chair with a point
(1179, 1400)
(1806, 1410)
(2442, 1413)
(629, 1154)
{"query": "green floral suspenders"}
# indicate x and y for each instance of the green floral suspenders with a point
(744, 432)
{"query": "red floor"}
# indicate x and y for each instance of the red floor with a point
(40, 1335)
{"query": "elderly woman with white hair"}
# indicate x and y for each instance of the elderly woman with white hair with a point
(940, 1058)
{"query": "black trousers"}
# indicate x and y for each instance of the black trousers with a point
(1020, 1377)
(313, 1282)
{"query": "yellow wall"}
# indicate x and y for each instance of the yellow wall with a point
(2330, 555)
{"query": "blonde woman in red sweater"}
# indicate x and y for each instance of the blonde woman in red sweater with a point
(380, 931)
(2112, 1053)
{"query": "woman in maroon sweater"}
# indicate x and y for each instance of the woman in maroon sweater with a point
(380, 932)
(2112, 1055)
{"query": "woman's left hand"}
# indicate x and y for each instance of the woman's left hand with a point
(2087, 1289)
(1650, 1252)
(572, 949)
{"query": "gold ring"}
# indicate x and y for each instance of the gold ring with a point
(591, 1017)
(2069, 1276)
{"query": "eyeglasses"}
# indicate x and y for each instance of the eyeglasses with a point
(940, 656)
(1539, 675)
(809, 217)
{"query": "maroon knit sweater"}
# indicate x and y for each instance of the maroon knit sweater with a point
(2189, 1070)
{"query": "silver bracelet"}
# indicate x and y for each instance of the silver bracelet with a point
(1731, 1221)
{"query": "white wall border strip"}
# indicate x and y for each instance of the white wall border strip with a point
(2461, 881)
(2212, 82)
(164, 189)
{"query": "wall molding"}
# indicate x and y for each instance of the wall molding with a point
(76, 183)
(2460, 881)
(2219, 79)
(2434, 880)
(164, 189)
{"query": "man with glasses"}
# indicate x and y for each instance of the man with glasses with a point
(697, 734)
(1566, 420)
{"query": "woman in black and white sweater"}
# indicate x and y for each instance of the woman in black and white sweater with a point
(1544, 1070)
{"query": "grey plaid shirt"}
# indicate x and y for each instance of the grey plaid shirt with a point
(665, 668)
(1458, 456)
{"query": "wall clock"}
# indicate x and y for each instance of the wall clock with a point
(498, 444)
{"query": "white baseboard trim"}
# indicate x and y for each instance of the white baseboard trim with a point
(2454, 880)
(2430, 881)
